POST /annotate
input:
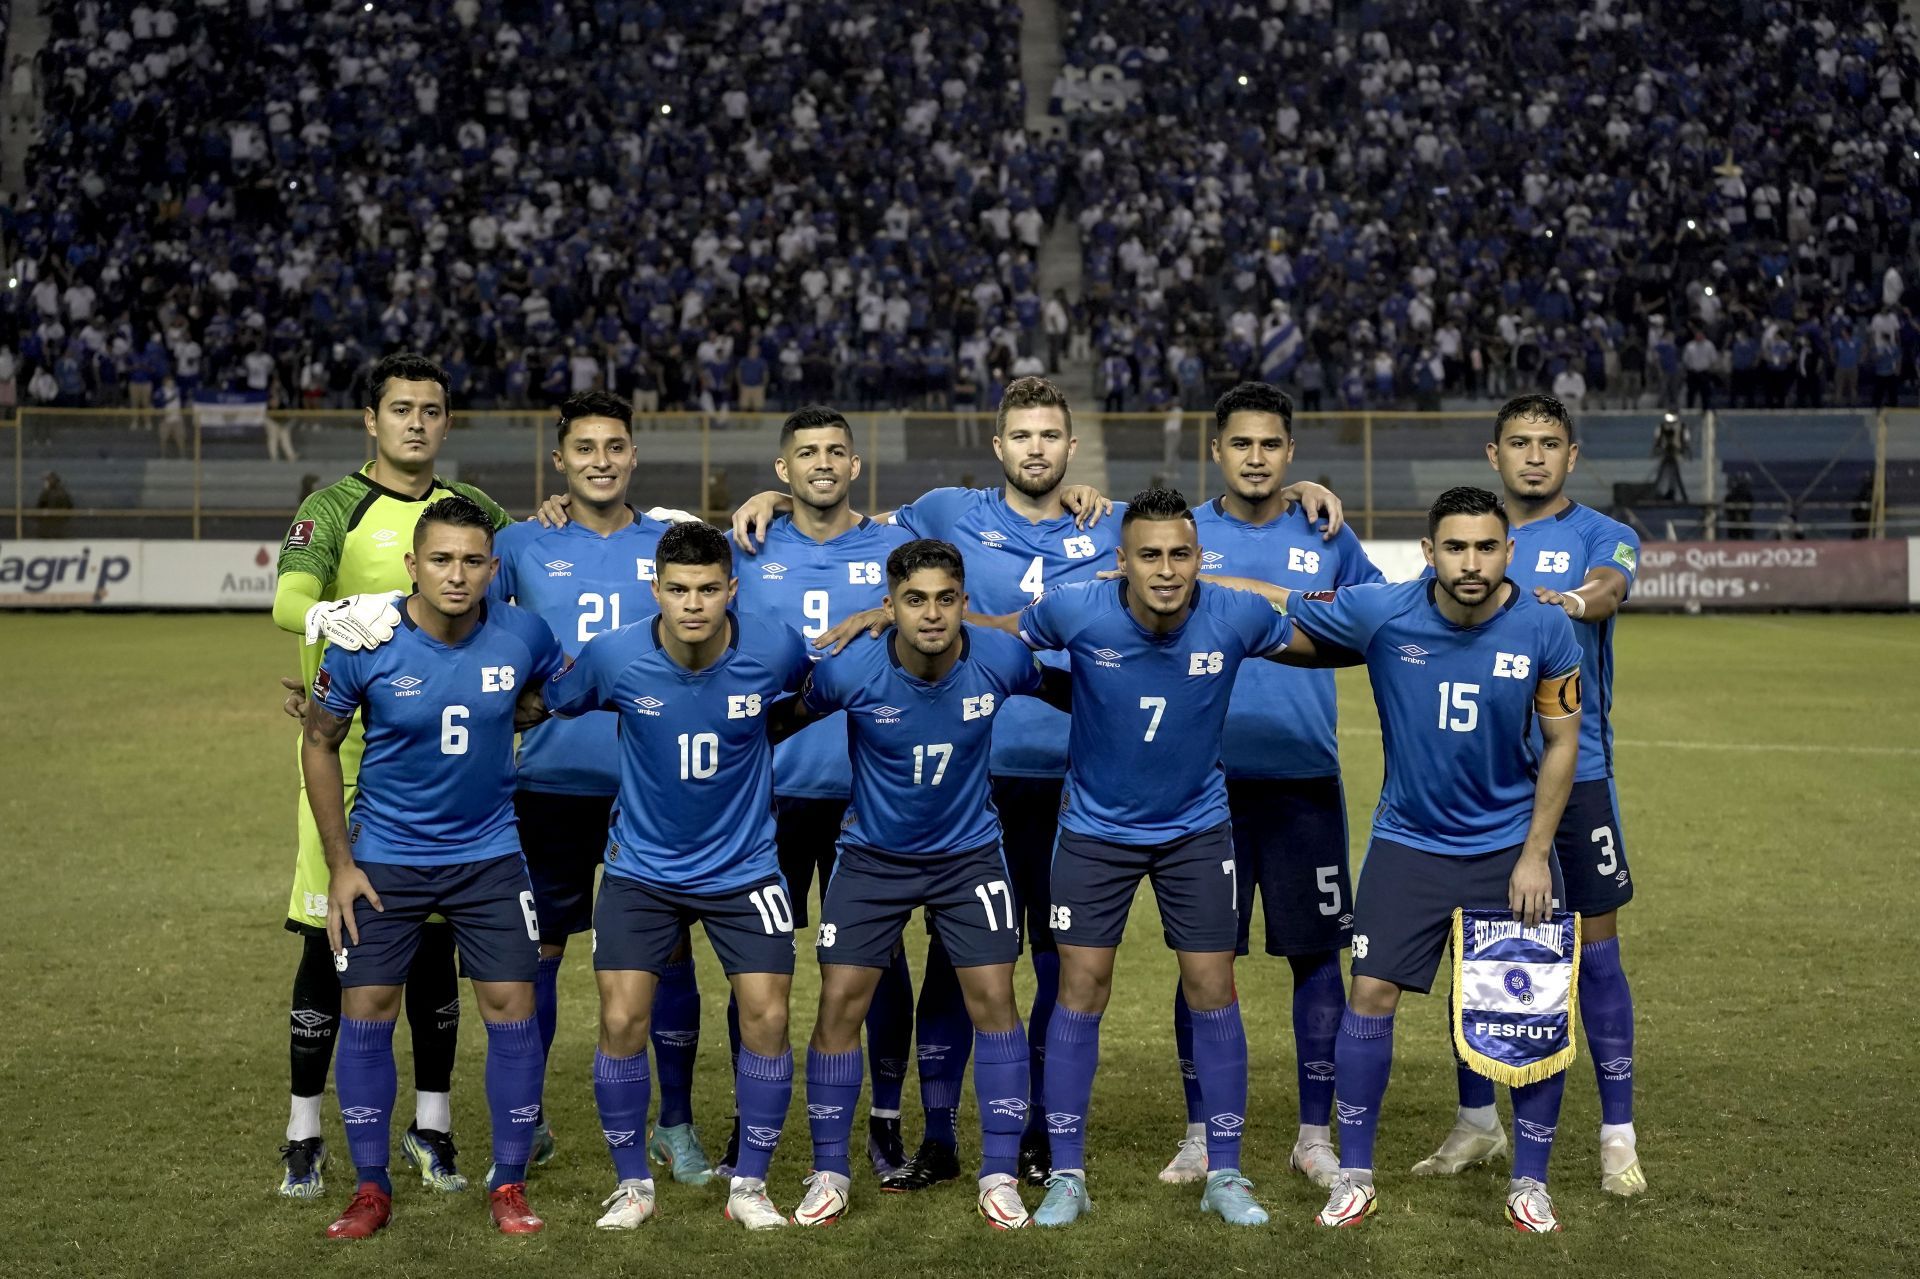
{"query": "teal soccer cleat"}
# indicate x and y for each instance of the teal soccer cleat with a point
(1065, 1203)
(678, 1149)
(1231, 1196)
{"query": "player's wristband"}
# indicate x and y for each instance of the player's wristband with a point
(1579, 603)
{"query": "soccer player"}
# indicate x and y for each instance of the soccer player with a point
(593, 574)
(1573, 556)
(822, 561)
(1463, 666)
(1283, 768)
(692, 841)
(433, 833)
(341, 561)
(921, 832)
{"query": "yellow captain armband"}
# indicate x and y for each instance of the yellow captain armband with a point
(1559, 697)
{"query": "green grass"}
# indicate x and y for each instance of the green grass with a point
(146, 799)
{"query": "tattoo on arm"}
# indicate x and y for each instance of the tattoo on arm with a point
(324, 728)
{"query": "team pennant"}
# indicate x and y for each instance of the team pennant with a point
(1515, 994)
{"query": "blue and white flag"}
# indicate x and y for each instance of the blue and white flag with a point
(1516, 989)
(1280, 349)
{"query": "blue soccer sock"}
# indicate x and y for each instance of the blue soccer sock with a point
(764, 1086)
(890, 1036)
(1606, 1006)
(1536, 1113)
(546, 1001)
(1220, 1062)
(365, 1078)
(675, 1033)
(944, 1035)
(516, 1066)
(1319, 1000)
(1183, 1047)
(1073, 1056)
(1363, 1061)
(1476, 1091)
(1000, 1087)
(622, 1088)
(1046, 974)
(833, 1091)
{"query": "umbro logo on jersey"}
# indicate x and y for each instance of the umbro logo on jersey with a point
(360, 1114)
(993, 536)
(409, 686)
(648, 705)
(1414, 654)
(558, 568)
(526, 1114)
(772, 572)
(886, 714)
(1210, 561)
(385, 535)
(620, 1138)
(1106, 657)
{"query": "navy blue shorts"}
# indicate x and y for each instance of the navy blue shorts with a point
(1592, 851)
(1029, 810)
(1404, 913)
(806, 837)
(1290, 841)
(638, 926)
(968, 897)
(565, 840)
(489, 904)
(1194, 884)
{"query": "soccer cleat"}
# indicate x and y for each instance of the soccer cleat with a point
(1065, 1203)
(732, 1154)
(747, 1203)
(543, 1143)
(884, 1148)
(305, 1161)
(1317, 1160)
(1231, 1196)
(1529, 1208)
(677, 1148)
(629, 1207)
(1620, 1172)
(825, 1201)
(1463, 1147)
(932, 1164)
(1036, 1160)
(432, 1152)
(1000, 1203)
(1348, 1204)
(371, 1209)
(1189, 1162)
(511, 1215)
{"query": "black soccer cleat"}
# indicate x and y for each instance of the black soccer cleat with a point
(932, 1164)
(731, 1159)
(885, 1151)
(1036, 1160)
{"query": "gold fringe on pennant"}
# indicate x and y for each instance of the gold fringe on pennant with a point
(1499, 1071)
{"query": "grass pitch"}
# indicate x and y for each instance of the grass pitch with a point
(1767, 770)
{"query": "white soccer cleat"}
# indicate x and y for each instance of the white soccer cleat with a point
(1348, 1204)
(1317, 1161)
(629, 1207)
(748, 1204)
(1189, 1162)
(1620, 1172)
(1464, 1147)
(1530, 1209)
(825, 1201)
(1000, 1202)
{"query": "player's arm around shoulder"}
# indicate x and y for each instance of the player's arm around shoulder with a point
(1613, 559)
(336, 695)
(1053, 620)
(824, 689)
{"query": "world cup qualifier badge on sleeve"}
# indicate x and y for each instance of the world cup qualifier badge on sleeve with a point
(1516, 990)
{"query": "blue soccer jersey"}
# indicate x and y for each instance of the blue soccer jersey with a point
(1283, 720)
(920, 750)
(695, 807)
(1558, 553)
(1148, 710)
(813, 587)
(582, 584)
(1012, 561)
(436, 782)
(1456, 707)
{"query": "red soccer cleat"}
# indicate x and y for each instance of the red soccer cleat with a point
(511, 1214)
(371, 1210)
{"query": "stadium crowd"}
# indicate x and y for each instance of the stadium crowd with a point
(761, 203)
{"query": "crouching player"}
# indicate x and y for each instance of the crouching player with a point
(921, 832)
(433, 833)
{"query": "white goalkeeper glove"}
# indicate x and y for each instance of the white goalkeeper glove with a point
(668, 515)
(354, 623)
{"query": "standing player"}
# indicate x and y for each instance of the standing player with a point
(692, 841)
(1462, 665)
(593, 574)
(823, 561)
(921, 832)
(1577, 558)
(342, 559)
(433, 833)
(1283, 768)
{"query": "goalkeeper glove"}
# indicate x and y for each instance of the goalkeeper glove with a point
(354, 623)
(669, 515)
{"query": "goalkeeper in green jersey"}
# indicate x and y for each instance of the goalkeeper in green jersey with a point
(339, 567)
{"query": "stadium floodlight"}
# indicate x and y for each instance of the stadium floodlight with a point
(666, 108)
(1709, 290)
(1243, 82)
(1691, 226)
